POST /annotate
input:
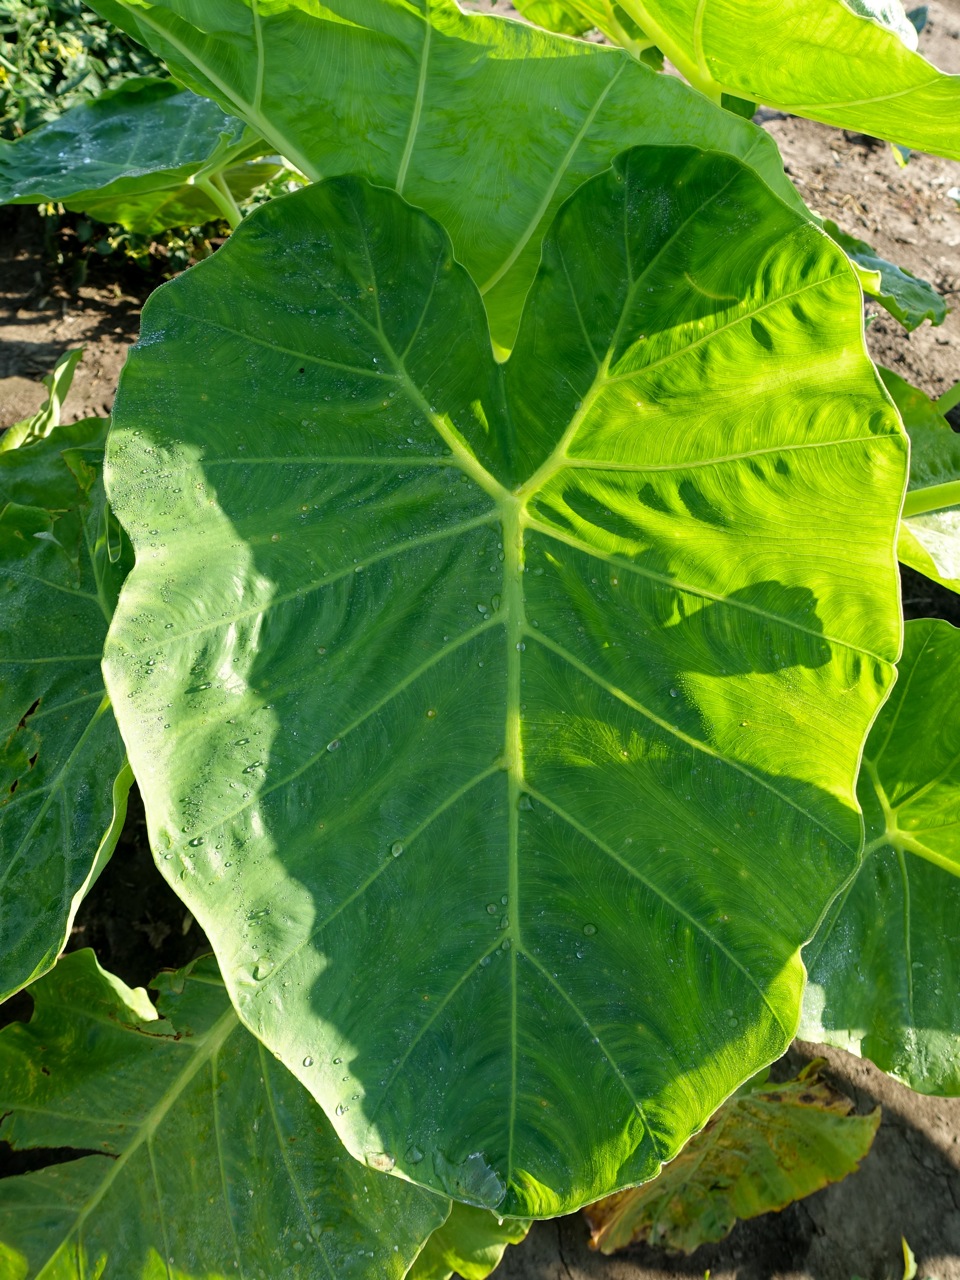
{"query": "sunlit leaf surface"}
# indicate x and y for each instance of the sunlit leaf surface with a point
(815, 58)
(500, 722)
(885, 967)
(470, 1243)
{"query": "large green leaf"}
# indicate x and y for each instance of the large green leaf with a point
(470, 1243)
(885, 967)
(929, 539)
(485, 123)
(815, 58)
(196, 1154)
(500, 722)
(63, 773)
(148, 155)
(765, 1148)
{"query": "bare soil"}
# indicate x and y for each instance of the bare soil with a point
(909, 1184)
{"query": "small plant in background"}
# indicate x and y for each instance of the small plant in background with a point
(494, 572)
(55, 54)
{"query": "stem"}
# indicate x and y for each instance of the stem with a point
(222, 197)
(949, 400)
(919, 501)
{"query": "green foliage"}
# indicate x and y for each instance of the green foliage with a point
(146, 155)
(498, 718)
(55, 54)
(292, 69)
(471, 1243)
(764, 1148)
(63, 773)
(885, 967)
(908, 298)
(189, 1143)
(929, 539)
(392, 622)
(47, 417)
(852, 65)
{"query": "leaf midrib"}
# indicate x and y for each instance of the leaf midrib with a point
(225, 1025)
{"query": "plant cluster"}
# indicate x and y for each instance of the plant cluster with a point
(489, 576)
(55, 54)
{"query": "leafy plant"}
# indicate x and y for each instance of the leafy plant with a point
(507, 617)
(435, 662)
(55, 54)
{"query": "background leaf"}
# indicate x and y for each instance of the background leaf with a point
(63, 774)
(196, 1154)
(907, 298)
(536, 890)
(140, 155)
(541, 113)
(814, 58)
(471, 1243)
(764, 1149)
(929, 542)
(885, 966)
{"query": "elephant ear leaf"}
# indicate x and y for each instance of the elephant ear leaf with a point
(185, 1148)
(300, 76)
(885, 966)
(851, 65)
(148, 155)
(470, 1244)
(765, 1148)
(929, 539)
(478, 689)
(63, 772)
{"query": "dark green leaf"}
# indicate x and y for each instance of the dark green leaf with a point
(63, 774)
(144, 155)
(195, 1153)
(908, 298)
(885, 966)
(515, 710)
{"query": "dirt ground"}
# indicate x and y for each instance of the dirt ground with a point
(909, 1184)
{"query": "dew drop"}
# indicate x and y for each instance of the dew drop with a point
(195, 842)
(381, 1160)
(396, 848)
(491, 908)
(674, 693)
(589, 930)
(308, 1061)
(332, 746)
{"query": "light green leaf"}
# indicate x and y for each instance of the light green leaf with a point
(929, 539)
(63, 773)
(197, 1155)
(815, 58)
(885, 967)
(148, 155)
(471, 1243)
(908, 298)
(485, 123)
(515, 709)
(763, 1150)
(47, 417)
